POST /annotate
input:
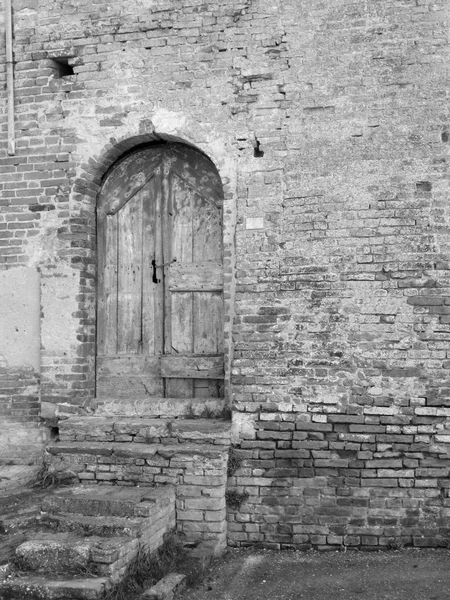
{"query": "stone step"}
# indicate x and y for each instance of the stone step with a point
(71, 561)
(71, 554)
(19, 515)
(144, 430)
(129, 464)
(97, 501)
(131, 450)
(37, 587)
(160, 407)
(100, 526)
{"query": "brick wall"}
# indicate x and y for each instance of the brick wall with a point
(328, 123)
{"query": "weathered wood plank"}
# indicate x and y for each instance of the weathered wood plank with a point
(197, 171)
(181, 222)
(207, 323)
(128, 376)
(152, 291)
(192, 367)
(178, 307)
(199, 276)
(131, 364)
(206, 231)
(179, 388)
(111, 282)
(137, 387)
(181, 324)
(208, 388)
(127, 177)
(129, 285)
(107, 284)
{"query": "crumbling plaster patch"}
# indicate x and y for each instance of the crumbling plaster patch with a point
(19, 318)
(59, 305)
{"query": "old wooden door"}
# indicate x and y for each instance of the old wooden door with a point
(160, 279)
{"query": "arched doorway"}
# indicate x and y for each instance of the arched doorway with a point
(160, 276)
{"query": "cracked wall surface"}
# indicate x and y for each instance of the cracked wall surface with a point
(328, 123)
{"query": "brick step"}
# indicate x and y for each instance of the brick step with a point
(37, 587)
(100, 526)
(96, 501)
(144, 430)
(72, 560)
(68, 553)
(160, 407)
(129, 464)
(198, 472)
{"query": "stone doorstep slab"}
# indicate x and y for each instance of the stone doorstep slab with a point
(100, 526)
(166, 588)
(110, 429)
(97, 501)
(36, 587)
(211, 430)
(157, 407)
(146, 451)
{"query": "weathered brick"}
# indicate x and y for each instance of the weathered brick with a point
(338, 347)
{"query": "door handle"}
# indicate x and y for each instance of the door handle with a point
(163, 264)
(155, 266)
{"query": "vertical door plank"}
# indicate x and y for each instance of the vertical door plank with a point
(179, 388)
(207, 388)
(111, 283)
(207, 230)
(101, 292)
(129, 331)
(207, 323)
(152, 292)
(182, 324)
(107, 308)
(181, 340)
(182, 229)
(178, 235)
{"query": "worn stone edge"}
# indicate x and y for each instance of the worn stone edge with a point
(166, 588)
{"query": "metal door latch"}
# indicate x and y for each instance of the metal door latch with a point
(155, 266)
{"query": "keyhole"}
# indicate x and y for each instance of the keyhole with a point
(155, 279)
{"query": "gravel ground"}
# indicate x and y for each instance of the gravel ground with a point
(408, 574)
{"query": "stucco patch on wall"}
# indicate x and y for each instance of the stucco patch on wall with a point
(19, 318)
(59, 321)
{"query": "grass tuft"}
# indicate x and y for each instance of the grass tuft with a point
(235, 499)
(234, 462)
(148, 568)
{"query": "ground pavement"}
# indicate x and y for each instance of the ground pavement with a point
(408, 574)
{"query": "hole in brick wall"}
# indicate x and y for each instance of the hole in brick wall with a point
(54, 433)
(444, 136)
(257, 152)
(424, 186)
(62, 67)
